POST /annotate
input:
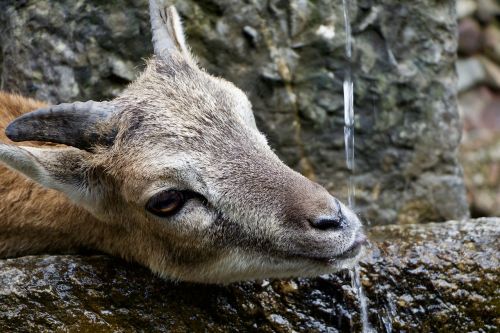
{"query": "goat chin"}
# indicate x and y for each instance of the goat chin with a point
(239, 266)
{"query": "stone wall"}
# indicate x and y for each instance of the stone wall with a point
(289, 57)
(479, 102)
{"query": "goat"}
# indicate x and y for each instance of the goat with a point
(172, 174)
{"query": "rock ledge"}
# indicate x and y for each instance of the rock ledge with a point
(439, 277)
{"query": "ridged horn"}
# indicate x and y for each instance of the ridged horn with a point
(80, 125)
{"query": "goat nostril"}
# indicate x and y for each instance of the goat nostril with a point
(329, 223)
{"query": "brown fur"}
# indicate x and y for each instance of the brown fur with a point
(33, 219)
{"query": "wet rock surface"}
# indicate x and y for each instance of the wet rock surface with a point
(289, 57)
(436, 277)
(420, 278)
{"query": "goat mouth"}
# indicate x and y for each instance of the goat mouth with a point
(352, 252)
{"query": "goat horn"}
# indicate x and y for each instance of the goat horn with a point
(80, 125)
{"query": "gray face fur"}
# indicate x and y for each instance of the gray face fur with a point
(179, 128)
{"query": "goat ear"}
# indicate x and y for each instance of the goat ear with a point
(168, 34)
(61, 169)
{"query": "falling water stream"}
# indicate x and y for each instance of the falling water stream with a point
(349, 156)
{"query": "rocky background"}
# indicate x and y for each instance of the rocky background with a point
(479, 102)
(289, 57)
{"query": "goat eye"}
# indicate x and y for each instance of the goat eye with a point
(166, 203)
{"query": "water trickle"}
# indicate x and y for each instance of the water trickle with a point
(358, 288)
(348, 99)
(347, 25)
(349, 156)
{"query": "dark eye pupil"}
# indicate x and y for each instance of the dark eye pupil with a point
(166, 203)
(169, 202)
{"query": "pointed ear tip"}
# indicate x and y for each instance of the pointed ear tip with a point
(162, 4)
(172, 9)
(172, 12)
